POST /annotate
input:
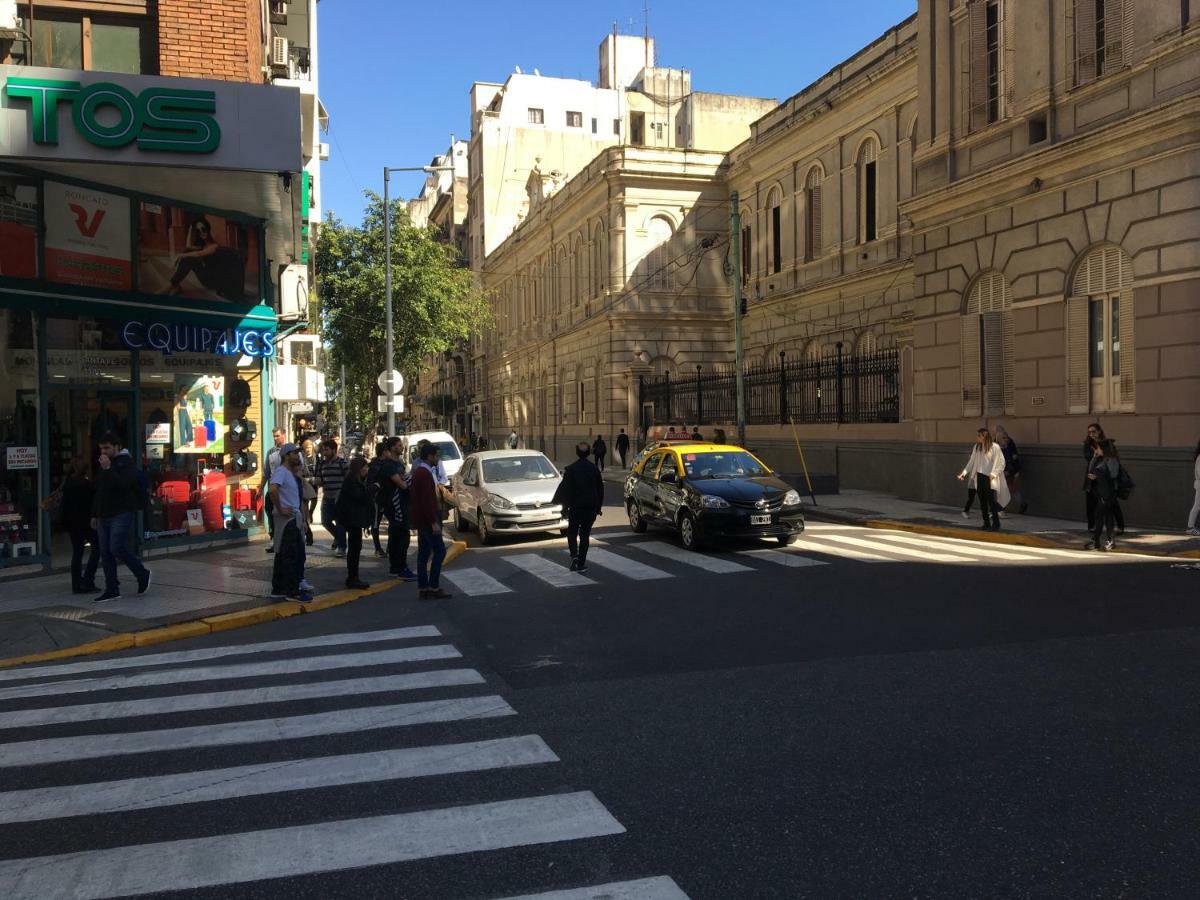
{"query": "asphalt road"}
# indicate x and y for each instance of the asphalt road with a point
(860, 715)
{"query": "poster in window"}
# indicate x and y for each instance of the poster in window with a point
(199, 255)
(18, 226)
(199, 414)
(87, 237)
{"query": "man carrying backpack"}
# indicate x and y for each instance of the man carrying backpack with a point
(372, 481)
(120, 495)
(393, 499)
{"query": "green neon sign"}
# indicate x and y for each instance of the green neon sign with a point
(165, 119)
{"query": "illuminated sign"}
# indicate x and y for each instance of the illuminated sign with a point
(168, 339)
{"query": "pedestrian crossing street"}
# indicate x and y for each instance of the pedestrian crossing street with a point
(63, 727)
(619, 557)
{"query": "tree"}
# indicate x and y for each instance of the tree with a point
(434, 301)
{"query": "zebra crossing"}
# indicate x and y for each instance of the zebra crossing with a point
(617, 557)
(63, 725)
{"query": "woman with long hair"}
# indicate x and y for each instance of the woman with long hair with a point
(1095, 436)
(355, 512)
(1104, 470)
(220, 269)
(1193, 526)
(985, 468)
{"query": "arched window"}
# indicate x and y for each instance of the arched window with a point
(868, 190)
(812, 213)
(661, 366)
(1100, 332)
(814, 352)
(867, 343)
(658, 275)
(560, 282)
(579, 260)
(747, 250)
(598, 260)
(987, 347)
(775, 226)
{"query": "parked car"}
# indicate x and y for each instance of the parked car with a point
(451, 456)
(710, 493)
(503, 492)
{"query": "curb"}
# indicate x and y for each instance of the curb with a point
(243, 618)
(990, 537)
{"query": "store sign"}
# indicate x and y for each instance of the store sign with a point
(168, 339)
(87, 237)
(158, 433)
(106, 114)
(21, 458)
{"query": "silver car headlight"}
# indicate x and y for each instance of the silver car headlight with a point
(499, 502)
(791, 498)
(711, 502)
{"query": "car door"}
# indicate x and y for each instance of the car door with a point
(670, 488)
(468, 486)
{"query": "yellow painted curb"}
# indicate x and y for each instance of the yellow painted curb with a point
(254, 616)
(104, 645)
(170, 633)
(454, 551)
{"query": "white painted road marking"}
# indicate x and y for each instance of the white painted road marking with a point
(550, 572)
(293, 666)
(119, 709)
(661, 888)
(819, 545)
(475, 582)
(307, 849)
(691, 558)
(784, 558)
(224, 734)
(270, 778)
(180, 656)
(993, 551)
(623, 565)
(905, 552)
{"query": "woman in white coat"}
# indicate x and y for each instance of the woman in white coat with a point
(1194, 526)
(985, 469)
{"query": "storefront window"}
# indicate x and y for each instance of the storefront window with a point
(20, 493)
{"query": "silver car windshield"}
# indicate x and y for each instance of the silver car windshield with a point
(517, 468)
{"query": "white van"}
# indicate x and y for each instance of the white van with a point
(451, 456)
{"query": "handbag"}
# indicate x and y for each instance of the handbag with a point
(309, 492)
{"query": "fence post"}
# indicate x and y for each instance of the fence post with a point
(841, 400)
(783, 405)
(699, 399)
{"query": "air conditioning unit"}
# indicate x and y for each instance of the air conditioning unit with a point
(322, 152)
(279, 52)
(8, 14)
(279, 10)
(293, 292)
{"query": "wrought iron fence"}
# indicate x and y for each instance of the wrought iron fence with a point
(839, 388)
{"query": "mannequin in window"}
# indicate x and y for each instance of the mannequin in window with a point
(218, 268)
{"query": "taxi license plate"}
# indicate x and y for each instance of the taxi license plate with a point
(760, 520)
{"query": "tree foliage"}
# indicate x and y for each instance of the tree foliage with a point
(434, 301)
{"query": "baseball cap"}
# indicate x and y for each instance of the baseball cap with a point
(288, 448)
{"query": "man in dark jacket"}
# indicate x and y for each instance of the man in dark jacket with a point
(581, 493)
(622, 446)
(426, 514)
(120, 496)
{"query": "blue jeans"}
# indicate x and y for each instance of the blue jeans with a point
(431, 550)
(114, 533)
(329, 520)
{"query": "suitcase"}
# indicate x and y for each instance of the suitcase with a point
(176, 514)
(199, 436)
(243, 498)
(210, 429)
(175, 491)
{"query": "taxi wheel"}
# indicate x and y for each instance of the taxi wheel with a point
(688, 534)
(461, 525)
(636, 522)
(485, 534)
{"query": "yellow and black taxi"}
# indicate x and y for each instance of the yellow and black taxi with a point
(709, 492)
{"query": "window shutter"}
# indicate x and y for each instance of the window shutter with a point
(1085, 41)
(1008, 53)
(993, 362)
(1127, 38)
(1115, 26)
(1125, 395)
(1078, 377)
(970, 365)
(1010, 375)
(977, 63)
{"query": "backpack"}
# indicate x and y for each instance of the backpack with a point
(239, 394)
(1125, 484)
(372, 479)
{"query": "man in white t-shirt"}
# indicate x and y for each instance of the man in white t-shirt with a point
(287, 577)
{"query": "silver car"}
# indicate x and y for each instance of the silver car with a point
(507, 492)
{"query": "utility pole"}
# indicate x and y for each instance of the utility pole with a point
(387, 291)
(735, 220)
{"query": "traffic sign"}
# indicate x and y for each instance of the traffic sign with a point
(396, 403)
(390, 382)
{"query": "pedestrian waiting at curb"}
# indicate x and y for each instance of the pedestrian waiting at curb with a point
(121, 493)
(73, 502)
(581, 495)
(1104, 470)
(273, 462)
(1193, 526)
(330, 476)
(287, 575)
(427, 518)
(599, 451)
(1096, 435)
(623, 446)
(393, 497)
(355, 511)
(1012, 468)
(372, 482)
(985, 468)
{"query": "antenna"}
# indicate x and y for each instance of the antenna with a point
(646, 30)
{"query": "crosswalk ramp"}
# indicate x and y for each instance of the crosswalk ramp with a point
(617, 558)
(242, 719)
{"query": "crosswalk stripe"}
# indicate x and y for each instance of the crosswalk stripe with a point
(990, 550)
(820, 545)
(91, 712)
(475, 582)
(307, 849)
(206, 653)
(293, 666)
(905, 552)
(224, 734)
(784, 558)
(39, 804)
(550, 572)
(661, 888)
(691, 558)
(623, 565)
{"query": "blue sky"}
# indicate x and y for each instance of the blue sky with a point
(396, 74)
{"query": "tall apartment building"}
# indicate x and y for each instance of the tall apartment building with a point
(158, 188)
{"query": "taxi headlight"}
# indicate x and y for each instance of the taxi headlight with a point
(711, 502)
(791, 498)
(499, 502)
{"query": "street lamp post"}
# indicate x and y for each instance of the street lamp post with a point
(387, 271)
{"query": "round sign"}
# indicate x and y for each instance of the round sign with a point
(390, 382)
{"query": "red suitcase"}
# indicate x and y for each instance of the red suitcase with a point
(243, 498)
(176, 515)
(175, 491)
(199, 436)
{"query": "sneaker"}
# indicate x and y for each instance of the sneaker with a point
(437, 594)
(1194, 532)
(1108, 545)
(144, 582)
(340, 554)
(277, 595)
(357, 584)
(301, 597)
(270, 548)
(574, 564)
(1090, 545)
(582, 567)
(408, 574)
(1024, 506)
(381, 554)
(306, 586)
(108, 595)
(965, 514)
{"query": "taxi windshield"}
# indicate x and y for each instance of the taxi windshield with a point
(722, 464)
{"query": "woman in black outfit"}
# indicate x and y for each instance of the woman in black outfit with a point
(1095, 436)
(355, 512)
(1103, 471)
(78, 491)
